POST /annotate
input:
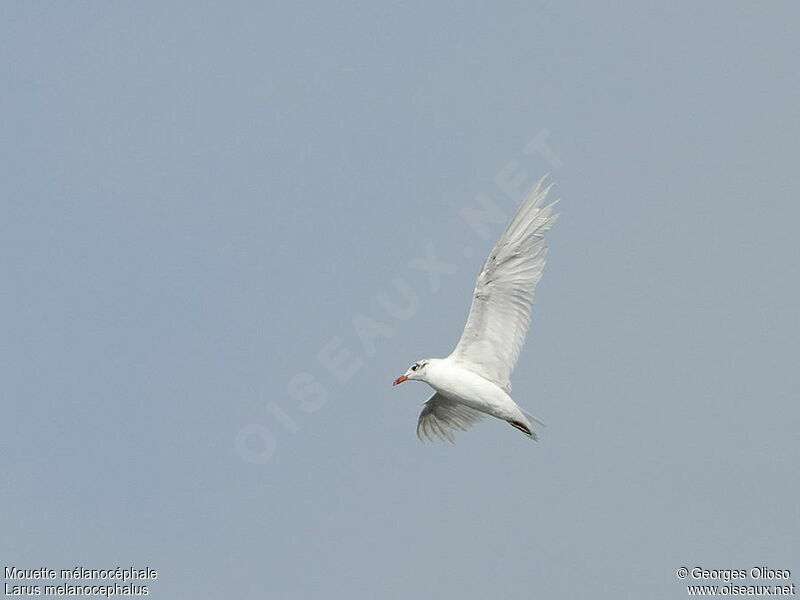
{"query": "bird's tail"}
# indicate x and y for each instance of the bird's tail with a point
(534, 419)
(526, 427)
(521, 420)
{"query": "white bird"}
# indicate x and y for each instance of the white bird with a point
(474, 381)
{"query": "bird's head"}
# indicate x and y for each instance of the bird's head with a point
(416, 371)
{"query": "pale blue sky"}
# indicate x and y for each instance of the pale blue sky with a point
(199, 198)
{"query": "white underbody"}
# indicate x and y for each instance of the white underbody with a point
(461, 385)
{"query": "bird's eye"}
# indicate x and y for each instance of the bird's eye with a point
(414, 367)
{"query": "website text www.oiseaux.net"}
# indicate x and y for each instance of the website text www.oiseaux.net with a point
(765, 582)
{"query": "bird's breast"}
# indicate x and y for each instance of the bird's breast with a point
(468, 388)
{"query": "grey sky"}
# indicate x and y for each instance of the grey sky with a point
(198, 198)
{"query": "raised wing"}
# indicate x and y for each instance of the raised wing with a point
(500, 313)
(441, 416)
